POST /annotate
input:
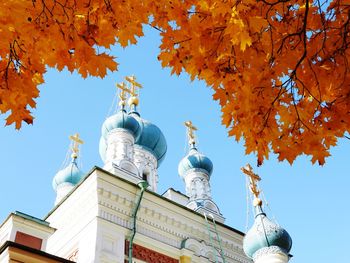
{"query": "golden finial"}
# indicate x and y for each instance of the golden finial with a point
(122, 93)
(190, 132)
(253, 179)
(75, 145)
(133, 86)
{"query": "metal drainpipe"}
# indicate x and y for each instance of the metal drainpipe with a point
(211, 239)
(143, 185)
(218, 238)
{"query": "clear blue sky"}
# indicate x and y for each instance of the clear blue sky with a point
(309, 201)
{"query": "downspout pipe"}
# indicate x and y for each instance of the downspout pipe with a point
(143, 186)
(211, 238)
(218, 238)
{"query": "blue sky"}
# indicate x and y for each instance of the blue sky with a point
(309, 201)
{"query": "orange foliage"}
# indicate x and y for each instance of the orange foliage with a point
(279, 68)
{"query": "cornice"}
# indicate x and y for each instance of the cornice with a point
(102, 171)
(159, 222)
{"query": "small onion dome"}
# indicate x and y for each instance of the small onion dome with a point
(69, 175)
(265, 233)
(195, 160)
(121, 120)
(151, 139)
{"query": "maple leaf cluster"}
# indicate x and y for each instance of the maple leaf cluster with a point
(278, 68)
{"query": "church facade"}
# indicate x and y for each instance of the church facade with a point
(114, 213)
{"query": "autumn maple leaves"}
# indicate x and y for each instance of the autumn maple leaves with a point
(279, 68)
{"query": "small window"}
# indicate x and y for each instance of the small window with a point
(145, 176)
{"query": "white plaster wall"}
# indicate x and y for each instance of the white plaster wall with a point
(96, 219)
(5, 231)
(176, 197)
(5, 257)
(71, 217)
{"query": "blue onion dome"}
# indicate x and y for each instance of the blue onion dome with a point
(151, 138)
(69, 175)
(121, 120)
(266, 234)
(195, 160)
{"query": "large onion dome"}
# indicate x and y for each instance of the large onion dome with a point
(121, 120)
(195, 160)
(151, 139)
(266, 234)
(70, 175)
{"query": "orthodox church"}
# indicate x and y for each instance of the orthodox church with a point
(114, 213)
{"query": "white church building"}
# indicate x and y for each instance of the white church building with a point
(114, 213)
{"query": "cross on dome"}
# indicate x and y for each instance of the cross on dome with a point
(266, 241)
(122, 93)
(134, 85)
(253, 179)
(75, 142)
(190, 133)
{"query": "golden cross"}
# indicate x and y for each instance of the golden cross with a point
(253, 179)
(123, 88)
(133, 100)
(75, 144)
(190, 132)
(122, 94)
(134, 84)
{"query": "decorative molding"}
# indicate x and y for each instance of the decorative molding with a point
(203, 249)
(74, 255)
(262, 252)
(196, 170)
(158, 224)
(200, 248)
(198, 189)
(156, 235)
(119, 144)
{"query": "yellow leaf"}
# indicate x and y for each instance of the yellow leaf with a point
(37, 78)
(245, 41)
